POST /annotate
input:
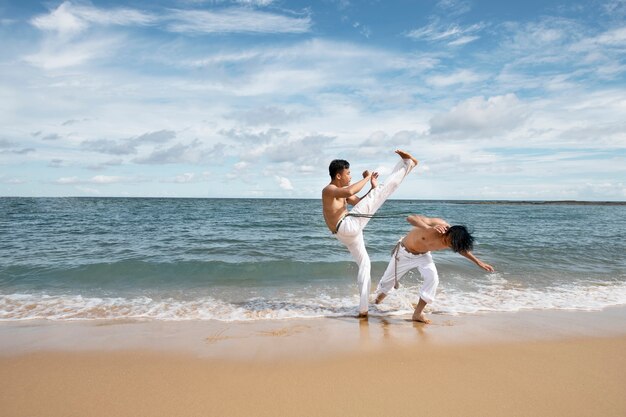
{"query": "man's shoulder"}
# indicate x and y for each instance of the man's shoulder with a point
(328, 188)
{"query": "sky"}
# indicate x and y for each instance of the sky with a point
(254, 98)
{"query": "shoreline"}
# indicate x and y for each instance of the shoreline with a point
(271, 339)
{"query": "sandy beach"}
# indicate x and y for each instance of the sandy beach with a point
(533, 363)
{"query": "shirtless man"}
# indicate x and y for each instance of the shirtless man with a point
(346, 225)
(413, 251)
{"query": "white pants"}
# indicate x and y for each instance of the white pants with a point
(402, 262)
(350, 231)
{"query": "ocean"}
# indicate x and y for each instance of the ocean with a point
(261, 259)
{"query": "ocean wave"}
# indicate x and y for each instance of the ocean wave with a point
(495, 296)
(151, 274)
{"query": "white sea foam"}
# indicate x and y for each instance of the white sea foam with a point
(495, 296)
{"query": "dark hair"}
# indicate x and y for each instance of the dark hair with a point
(460, 239)
(336, 166)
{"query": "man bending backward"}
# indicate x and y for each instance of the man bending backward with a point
(413, 251)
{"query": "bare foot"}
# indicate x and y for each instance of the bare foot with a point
(361, 315)
(380, 298)
(421, 318)
(406, 155)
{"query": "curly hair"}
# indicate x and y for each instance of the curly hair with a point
(460, 239)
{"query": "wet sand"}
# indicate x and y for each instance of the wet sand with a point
(521, 364)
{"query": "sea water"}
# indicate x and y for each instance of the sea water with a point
(260, 259)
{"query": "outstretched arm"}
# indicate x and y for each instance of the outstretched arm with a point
(424, 222)
(346, 192)
(354, 200)
(477, 261)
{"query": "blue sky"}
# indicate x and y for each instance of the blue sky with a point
(216, 98)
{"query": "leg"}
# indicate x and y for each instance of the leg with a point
(372, 201)
(400, 266)
(418, 314)
(356, 246)
(428, 270)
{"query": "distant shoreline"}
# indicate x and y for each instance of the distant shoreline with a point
(548, 202)
(468, 202)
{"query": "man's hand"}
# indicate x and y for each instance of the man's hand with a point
(486, 267)
(366, 174)
(374, 179)
(441, 228)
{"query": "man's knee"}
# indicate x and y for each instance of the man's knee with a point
(430, 275)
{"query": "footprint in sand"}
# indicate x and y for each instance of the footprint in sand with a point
(444, 323)
(217, 336)
(285, 331)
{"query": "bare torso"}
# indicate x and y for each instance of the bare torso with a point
(334, 208)
(420, 240)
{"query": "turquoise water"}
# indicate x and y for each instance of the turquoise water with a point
(248, 259)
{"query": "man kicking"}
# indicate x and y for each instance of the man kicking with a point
(413, 251)
(348, 226)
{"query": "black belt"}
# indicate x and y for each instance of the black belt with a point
(339, 224)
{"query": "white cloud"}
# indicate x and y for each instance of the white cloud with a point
(267, 115)
(61, 20)
(185, 178)
(160, 136)
(51, 136)
(454, 7)
(255, 2)
(56, 53)
(238, 20)
(69, 19)
(543, 41)
(111, 147)
(177, 153)
(398, 139)
(98, 179)
(463, 40)
(453, 34)
(188, 178)
(480, 116)
(117, 16)
(245, 136)
(294, 151)
(592, 191)
(88, 190)
(106, 179)
(284, 183)
(559, 53)
(127, 146)
(22, 151)
(458, 77)
(68, 180)
(611, 38)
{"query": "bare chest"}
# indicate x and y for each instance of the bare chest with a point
(419, 240)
